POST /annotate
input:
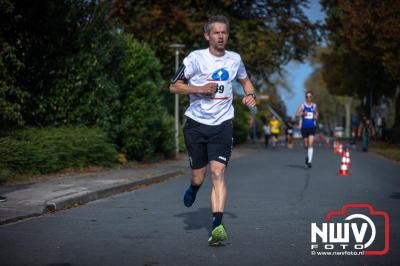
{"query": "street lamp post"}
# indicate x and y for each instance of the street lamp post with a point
(177, 47)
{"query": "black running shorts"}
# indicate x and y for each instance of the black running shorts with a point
(208, 143)
(306, 132)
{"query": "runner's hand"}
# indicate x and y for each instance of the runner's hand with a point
(249, 101)
(209, 88)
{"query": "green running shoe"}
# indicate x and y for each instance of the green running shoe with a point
(217, 235)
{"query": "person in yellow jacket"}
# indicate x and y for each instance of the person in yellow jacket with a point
(275, 130)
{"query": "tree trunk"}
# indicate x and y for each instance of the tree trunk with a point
(347, 106)
(395, 136)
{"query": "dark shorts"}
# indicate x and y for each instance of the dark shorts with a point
(289, 131)
(306, 132)
(208, 143)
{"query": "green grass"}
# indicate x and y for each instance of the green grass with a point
(388, 150)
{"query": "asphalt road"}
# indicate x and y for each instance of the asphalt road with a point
(272, 201)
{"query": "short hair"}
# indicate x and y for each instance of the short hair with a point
(214, 19)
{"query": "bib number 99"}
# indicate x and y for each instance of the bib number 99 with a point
(219, 89)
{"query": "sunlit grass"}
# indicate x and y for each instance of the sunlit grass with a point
(388, 150)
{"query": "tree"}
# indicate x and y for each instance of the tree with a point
(332, 106)
(12, 96)
(66, 63)
(266, 33)
(365, 39)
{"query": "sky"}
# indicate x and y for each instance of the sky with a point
(298, 72)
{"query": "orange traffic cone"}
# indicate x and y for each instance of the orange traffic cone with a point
(344, 170)
(344, 160)
(337, 147)
(340, 149)
(347, 154)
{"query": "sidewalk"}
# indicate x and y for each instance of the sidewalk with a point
(56, 192)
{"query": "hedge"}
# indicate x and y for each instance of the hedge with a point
(45, 150)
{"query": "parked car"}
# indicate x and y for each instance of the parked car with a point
(338, 132)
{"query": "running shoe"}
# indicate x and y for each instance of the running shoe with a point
(217, 235)
(309, 165)
(190, 197)
(3, 199)
(306, 162)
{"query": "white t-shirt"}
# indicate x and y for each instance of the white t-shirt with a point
(267, 130)
(201, 68)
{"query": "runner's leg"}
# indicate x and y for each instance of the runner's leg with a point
(218, 199)
(219, 191)
(196, 181)
(305, 145)
(310, 149)
(198, 176)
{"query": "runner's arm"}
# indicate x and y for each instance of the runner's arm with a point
(180, 87)
(299, 111)
(316, 112)
(249, 98)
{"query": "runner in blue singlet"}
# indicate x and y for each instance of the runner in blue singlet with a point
(309, 114)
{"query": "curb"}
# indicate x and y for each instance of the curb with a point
(88, 196)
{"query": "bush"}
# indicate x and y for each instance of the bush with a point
(241, 122)
(145, 129)
(39, 151)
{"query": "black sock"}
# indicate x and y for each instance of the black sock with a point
(217, 219)
(194, 188)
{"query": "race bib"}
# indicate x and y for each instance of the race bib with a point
(309, 115)
(290, 131)
(223, 90)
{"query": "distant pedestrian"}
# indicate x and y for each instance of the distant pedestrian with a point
(366, 131)
(354, 128)
(253, 129)
(267, 133)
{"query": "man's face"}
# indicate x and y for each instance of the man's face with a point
(218, 36)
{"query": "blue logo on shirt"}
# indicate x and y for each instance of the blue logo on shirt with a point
(220, 74)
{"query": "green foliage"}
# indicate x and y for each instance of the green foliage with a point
(79, 68)
(45, 150)
(241, 126)
(12, 97)
(145, 128)
(365, 58)
(266, 33)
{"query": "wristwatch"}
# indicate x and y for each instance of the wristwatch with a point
(251, 94)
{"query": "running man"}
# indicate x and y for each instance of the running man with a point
(206, 76)
(309, 114)
(289, 133)
(275, 130)
(267, 133)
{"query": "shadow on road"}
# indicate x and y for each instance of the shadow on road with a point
(200, 218)
(395, 195)
(301, 166)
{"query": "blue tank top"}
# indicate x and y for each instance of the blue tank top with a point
(308, 121)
